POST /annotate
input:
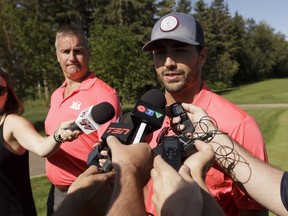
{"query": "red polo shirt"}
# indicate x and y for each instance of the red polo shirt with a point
(63, 167)
(241, 127)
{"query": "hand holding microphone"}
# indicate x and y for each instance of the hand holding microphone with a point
(90, 119)
(61, 134)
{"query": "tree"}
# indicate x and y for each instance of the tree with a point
(184, 6)
(220, 66)
(240, 50)
(118, 60)
(164, 7)
(280, 66)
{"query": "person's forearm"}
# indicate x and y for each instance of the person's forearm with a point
(48, 147)
(127, 197)
(72, 205)
(210, 205)
(260, 180)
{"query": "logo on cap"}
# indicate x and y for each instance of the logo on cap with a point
(169, 23)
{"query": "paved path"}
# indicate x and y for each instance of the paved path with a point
(37, 164)
(261, 106)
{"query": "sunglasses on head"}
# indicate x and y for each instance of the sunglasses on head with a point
(3, 90)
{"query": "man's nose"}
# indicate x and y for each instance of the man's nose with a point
(170, 62)
(72, 56)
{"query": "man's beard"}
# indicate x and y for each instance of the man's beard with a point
(173, 86)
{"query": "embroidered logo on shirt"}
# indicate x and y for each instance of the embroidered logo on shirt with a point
(75, 105)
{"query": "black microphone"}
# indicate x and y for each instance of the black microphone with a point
(123, 130)
(148, 114)
(91, 118)
(146, 117)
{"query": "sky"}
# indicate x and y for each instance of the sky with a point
(273, 12)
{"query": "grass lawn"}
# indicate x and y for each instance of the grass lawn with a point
(40, 188)
(272, 122)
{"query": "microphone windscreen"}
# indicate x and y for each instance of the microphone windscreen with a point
(102, 112)
(155, 97)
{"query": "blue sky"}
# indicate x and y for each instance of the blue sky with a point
(273, 12)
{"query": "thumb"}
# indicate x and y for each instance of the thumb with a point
(184, 171)
(92, 170)
(112, 142)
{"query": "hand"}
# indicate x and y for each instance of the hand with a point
(199, 118)
(103, 154)
(90, 193)
(91, 178)
(135, 159)
(172, 190)
(66, 134)
(200, 162)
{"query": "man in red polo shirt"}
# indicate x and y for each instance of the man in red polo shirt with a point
(80, 90)
(179, 55)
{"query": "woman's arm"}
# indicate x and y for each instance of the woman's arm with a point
(20, 134)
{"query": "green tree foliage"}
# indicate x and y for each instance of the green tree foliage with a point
(240, 50)
(118, 59)
(164, 7)
(138, 15)
(26, 49)
(184, 6)
(28, 29)
(220, 65)
(116, 40)
(279, 69)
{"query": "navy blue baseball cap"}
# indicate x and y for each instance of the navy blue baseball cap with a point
(176, 26)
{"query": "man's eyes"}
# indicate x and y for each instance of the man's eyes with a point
(164, 51)
(159, 52)
(76, 52)
(66, 51)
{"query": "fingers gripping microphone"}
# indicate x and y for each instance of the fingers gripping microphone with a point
(91, 118)
(123, 130)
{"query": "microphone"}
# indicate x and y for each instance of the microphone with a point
(123, 130)
(148, 114)
(91, 118)
(146, 117)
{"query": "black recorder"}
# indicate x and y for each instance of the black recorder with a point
(185, 136)
(171, 151)
(176, 109)
(175, 149)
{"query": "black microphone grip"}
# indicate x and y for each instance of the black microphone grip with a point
(73, 127)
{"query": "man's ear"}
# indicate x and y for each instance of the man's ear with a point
(57, 57)
(203, 53)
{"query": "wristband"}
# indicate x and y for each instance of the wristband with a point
(57, 136)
